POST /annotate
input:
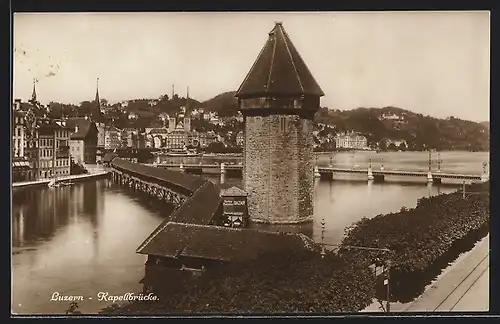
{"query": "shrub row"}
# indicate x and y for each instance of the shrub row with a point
(423, 240)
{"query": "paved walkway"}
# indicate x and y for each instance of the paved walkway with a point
(464, 286)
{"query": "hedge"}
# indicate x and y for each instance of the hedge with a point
(423, 240)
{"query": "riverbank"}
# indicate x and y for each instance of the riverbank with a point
(73, 178)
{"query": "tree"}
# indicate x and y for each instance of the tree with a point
(215, 147)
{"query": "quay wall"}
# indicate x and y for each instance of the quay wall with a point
(73, 178)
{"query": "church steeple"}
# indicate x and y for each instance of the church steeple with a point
(33, 95)
(96, 111)
(97, 94)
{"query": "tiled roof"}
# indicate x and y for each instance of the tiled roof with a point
(219, 243)
(279, 70)
(198, 209)
(188, 182)
(83, 124)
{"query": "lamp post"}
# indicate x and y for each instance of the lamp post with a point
(323, 238)
(430, 160)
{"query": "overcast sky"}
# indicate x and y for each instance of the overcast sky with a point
(430, 63)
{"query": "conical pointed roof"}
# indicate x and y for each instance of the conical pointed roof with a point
(279, 70)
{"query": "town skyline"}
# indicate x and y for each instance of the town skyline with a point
(450, 78)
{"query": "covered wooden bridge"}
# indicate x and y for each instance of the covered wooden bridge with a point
(171, 186)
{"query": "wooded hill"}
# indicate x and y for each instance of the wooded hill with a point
(420, 132)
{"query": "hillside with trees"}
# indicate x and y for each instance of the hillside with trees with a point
(418, 131)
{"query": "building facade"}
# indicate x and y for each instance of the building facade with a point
(83, 140)
(18, 131)
(53, 150)
(351, 141)
(278, 105)
(112, 137)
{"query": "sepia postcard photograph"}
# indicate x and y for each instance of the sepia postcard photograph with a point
(255, 163)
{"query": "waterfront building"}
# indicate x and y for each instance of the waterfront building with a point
(83, 140)
(351, 141)
(53, 149)
(278, 100)
(112, 137)
(177, 139)
(18, 131)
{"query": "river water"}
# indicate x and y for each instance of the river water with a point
(81, 240)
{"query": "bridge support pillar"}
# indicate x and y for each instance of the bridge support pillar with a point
(429, 177)
(316, 172)
(222, 172)
(181, 167)
(370, 174)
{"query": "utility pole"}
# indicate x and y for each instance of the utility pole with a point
(388, 274)
(439, 162)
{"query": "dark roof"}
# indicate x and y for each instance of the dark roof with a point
(47, 127)
(279, 70)
(198, 209)
(218, 243)
(84, 126)
(177, 179)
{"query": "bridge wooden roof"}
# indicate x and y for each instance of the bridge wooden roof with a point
(170, 178)
(279, 70)
(199, 209)
(219, 243)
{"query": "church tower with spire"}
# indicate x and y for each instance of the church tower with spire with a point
(96, 114)
(278, 100)
(97, 117)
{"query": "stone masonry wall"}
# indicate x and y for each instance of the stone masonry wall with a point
(306, 169)
(278, 171)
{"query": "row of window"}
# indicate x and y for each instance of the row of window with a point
(47, 174)
(59, 163)
(47, 142)
(46, 153)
